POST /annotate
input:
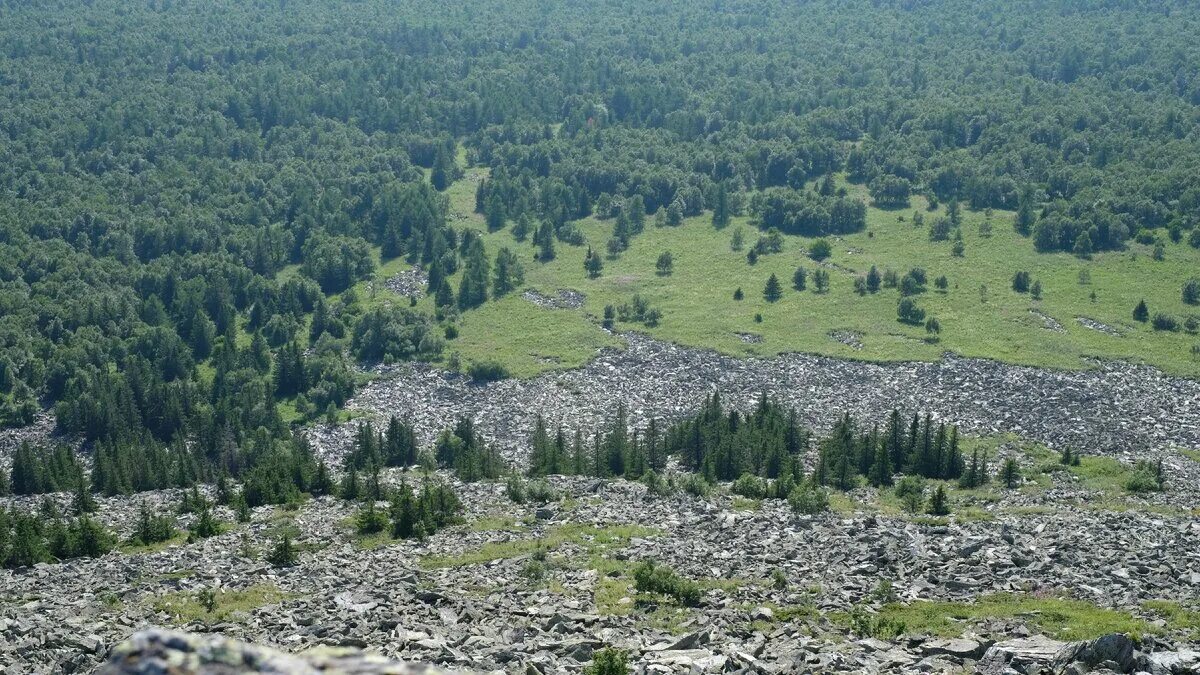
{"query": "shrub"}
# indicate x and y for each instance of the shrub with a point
(808, 498)
(1165, 322)
(820, 250)
(488, 371)
(749, 486)
(607, 662)
(1146, 477)
(514, 489)
(694, 484)
(649, 577)
(908, 312)
(541, 492)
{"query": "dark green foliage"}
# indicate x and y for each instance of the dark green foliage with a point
(1010, 473)
(908, 312)
(975, 473)
(206, 525)
(395, 333)
(665, 264)
(417, 516)
(808, 499)
(820, 250)
(152, 528)
(488, 371)
(1165, 322)
(1147, 476)
(608, 661)
(1020, 282)
(509, 273)
(592, 264)
(772, 292)
(650, 577)
(1191, 292)
(464, 451)
(800, 279)
(283, 553)
(1141, 313)
(939, 504)
(725, 444)
(370, 520)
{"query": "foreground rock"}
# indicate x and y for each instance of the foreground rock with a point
(158, 651)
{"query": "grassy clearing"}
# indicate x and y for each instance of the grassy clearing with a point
(493, 523)
(593, 539)
(189, 607)
(981, 316)
(135, 549)
(1061, 618)
(1180, 618)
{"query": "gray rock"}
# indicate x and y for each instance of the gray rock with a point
(1022, 655)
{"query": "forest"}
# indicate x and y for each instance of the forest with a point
(196, 198)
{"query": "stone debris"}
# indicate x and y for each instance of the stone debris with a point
(410, 282)
(1116, 408)
(749, 338)
(159, 651)
(1102, 327)
(1048, 322)
(492, 616)
(852, 339)
(563, 298)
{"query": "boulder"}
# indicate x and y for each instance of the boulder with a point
(161, 651)
(1028, 656)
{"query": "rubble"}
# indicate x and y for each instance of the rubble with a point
(563, 298)
(410, 282)
(1115, 408)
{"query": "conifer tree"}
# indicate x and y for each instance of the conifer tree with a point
(1010, 473)
(1141, 314)
(83, 502)
(592, 264)
(350, 489)
(406, 517)
(772, 292)
(800, 279)
(283, 554)
(720, 216)
(938, 503)
(881, 469)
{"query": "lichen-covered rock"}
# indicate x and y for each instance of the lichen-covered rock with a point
(155, 652)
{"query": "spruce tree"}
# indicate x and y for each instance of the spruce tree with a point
(592, 264)
(772, 292)
(1010, 473)
(283, 554)
(1141, 313)
(800, 278)
(720, 216)
(83, 502)
(938, 503)
(405, 515)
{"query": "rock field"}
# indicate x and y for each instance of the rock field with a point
(540, 588)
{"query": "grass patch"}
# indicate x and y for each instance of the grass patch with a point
(594, 540)
(1193, 455)
(980, 314)
(1061, 618)
(740, 503)
(1178, 617)
(129, 548)
(494, 524)
(189, 607)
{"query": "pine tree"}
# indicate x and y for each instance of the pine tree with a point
(83, 502)
(472, 290)
(720, 216)
(592, 264)
(509, 275)
(772, 292)
(1010, 473)
(1141, 314)
(938, 503)
(874, 280)
(800, 279)
(406, 517)
(283, 554)
(881, 468)
(350, 489)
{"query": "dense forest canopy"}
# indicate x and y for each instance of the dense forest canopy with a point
(188, 189)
